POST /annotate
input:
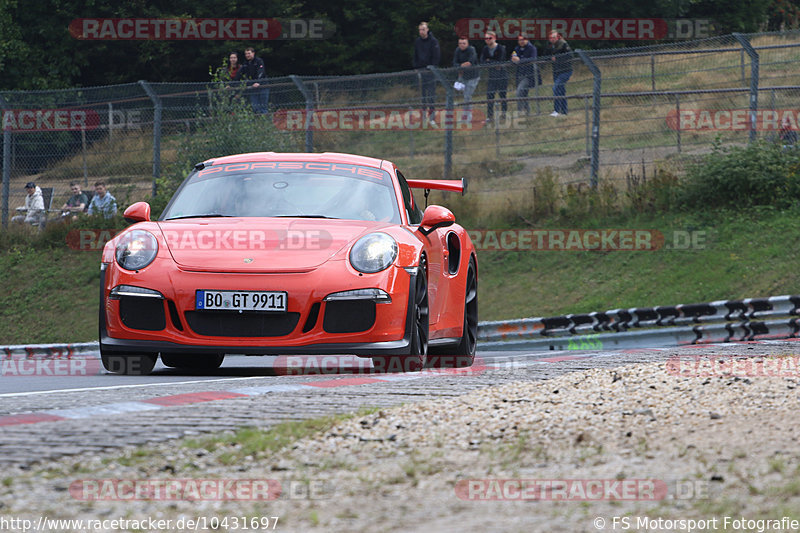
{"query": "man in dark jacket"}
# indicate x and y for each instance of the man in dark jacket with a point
(427, 52)
(561, 58)
(253, 70)
(524, 56)
(495, 53)
(466, 57)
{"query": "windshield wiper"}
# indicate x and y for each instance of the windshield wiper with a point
(207, 215)
(305, 216)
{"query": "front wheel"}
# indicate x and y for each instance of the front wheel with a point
(417, 356)
(129, 364)
(462, 354)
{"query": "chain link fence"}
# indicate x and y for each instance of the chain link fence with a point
(627, 107)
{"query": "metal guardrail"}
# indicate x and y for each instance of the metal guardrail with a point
(775, 317)
(749, 319)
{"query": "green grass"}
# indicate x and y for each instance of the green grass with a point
(49, 295)
(264, 442)
(746, 255)
(51, 292)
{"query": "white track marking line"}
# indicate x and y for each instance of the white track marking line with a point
(136, 385)
(105, 409)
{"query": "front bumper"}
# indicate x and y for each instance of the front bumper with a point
(390, 334)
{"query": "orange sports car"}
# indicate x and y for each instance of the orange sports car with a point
(280, 253)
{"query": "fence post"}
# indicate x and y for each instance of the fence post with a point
(678, 119)
(411, 133)
(753, 81)
(83, 158)
(586, 120)
(595, 113)
(653, 71)
(110, 121)
(448, 122)
(536, 76)
(156, 132)
(6, 163)
(309, 98)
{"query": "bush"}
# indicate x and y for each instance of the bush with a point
(762, 173)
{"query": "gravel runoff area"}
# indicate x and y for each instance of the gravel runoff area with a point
(712, 443)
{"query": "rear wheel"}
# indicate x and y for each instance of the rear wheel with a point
(129, 364)
(417, 357)
(462, 354)
(192, 361)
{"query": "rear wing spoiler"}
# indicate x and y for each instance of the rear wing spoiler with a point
(440, 185)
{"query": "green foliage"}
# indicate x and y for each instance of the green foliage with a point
(545, 192)
(656, 193)
(227, 127)
(762, 173)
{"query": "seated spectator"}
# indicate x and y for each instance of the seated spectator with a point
(77, 203)
(34, 206)
(103, 202)
(787, 134)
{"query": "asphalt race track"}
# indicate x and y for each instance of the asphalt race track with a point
(48, 416)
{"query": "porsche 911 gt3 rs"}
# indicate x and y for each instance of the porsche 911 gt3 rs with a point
(283, 253)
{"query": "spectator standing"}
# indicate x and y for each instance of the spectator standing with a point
(426, 53)
(103, 203)
(524, 56)
(34, 206)
(233, 72)
(495, 53)
(561, 58)
(254, 70)
(77, 203)
(466, 57)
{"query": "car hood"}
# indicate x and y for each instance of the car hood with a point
(259, 244)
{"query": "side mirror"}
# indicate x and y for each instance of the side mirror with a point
(435, 217)
(138, 212)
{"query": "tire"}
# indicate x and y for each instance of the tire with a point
(192, 361)
(129, 364)
(462, 354)
(417, 356)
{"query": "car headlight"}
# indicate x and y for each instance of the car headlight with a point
(136, 249)
(373, 253)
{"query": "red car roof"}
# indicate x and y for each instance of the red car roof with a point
(326, 157)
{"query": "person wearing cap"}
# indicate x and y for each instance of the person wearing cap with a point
(34, 206)
(524, 56)
(102, 201)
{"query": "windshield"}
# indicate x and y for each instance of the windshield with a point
(286, 189)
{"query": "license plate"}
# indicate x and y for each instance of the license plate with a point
(241, 300)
